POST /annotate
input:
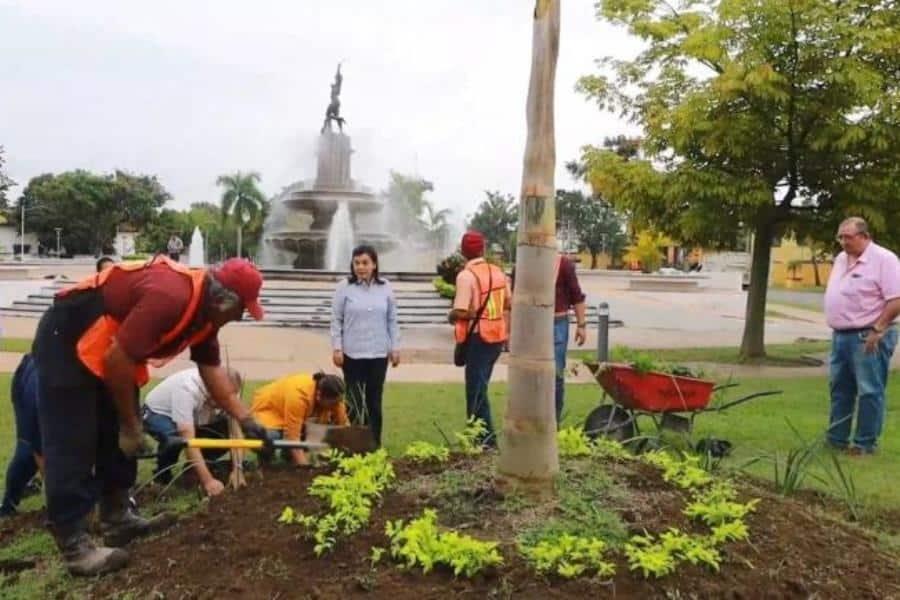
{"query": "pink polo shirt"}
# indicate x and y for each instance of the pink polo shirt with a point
(857, 293)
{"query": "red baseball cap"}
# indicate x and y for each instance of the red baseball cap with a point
(472, 244)
(243, 278)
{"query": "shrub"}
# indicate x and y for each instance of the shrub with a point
(450, 267)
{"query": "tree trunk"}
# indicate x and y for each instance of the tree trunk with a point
(753, 344)
(593, 260)
(815, 266)
(239, 240)
(528, 454)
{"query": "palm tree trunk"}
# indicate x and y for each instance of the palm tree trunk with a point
(239, 240)
(529, 454)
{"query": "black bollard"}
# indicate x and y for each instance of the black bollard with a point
(602, 332)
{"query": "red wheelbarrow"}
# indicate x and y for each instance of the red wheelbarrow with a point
(664, 397)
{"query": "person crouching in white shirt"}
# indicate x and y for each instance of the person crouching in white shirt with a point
(182, 406)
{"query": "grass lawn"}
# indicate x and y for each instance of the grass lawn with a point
(724, 355)
(415, 411)
(9, 344)
(815, 308)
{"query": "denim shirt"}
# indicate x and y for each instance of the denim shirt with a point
(364, 319)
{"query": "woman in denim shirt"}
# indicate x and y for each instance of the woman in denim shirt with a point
(364, 335)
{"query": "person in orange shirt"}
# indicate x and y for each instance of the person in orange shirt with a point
(285, 405)
(480, 317)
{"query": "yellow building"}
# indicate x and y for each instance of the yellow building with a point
(793, 265)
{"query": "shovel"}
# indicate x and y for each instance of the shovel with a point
(349, 440)
(238, 443)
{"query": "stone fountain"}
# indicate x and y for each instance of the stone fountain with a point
(302, 226)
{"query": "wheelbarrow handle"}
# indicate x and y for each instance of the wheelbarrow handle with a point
(724, 386)
(728, 405)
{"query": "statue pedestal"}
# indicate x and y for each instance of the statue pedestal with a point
(333, 161)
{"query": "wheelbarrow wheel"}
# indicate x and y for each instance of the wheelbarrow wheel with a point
(610, 421)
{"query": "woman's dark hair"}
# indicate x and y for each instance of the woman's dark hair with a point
(372, 254)
(102, 261)
(331, 386)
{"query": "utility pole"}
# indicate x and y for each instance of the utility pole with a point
(22, 241)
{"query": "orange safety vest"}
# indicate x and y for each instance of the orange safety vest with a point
(491, 326)
(96, 340)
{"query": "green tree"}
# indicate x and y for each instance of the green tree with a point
(436, 225)
(598, 226)
(241, 200)
(88, 207)
(220, 238)
(497, 218)
(759, 116)
(5, 182)
(407, 201)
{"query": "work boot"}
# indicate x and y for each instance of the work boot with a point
(120, 524)
(82, 556)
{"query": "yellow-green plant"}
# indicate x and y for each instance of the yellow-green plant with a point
(717, 512)
(572, 441)
(421, 543)
(651, 558)
(660, 557)
(731, 531)
(470, 438)
(607, 448)
(716, 505)
(684, 472)
(349, 493)
(421, 452)
(569, 556)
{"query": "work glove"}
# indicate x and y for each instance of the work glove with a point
(253, 430)
(131, 440)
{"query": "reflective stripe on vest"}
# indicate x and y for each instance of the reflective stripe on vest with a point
(96, 340)
(491, 325)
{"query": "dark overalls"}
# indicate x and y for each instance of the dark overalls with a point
(78, 419)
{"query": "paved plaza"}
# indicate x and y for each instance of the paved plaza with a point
(651, 320)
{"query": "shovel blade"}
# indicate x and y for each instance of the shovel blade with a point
(351, 440)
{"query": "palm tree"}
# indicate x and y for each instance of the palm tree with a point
(436, 224)
(241, 199)
(528, 455)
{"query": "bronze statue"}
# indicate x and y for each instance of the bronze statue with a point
(333, 112)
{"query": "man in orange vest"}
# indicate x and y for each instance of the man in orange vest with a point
(480, 316)
(91, 349)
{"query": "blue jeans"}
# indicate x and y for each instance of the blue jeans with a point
(161, 428)
(560, 345)
(22, 467)
(480, 359)
(855, 374)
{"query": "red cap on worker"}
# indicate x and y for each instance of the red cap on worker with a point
(472, 245)
(243, 278)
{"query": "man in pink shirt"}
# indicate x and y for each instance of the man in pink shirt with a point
(862, 301)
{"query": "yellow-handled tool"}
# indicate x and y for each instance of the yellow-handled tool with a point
(245, 444)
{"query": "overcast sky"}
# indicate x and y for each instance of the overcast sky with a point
(192, 89)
